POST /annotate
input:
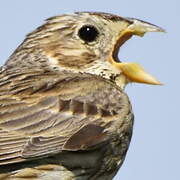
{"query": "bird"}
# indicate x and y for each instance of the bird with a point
(64, 113)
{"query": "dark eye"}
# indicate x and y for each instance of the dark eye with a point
(88, 33)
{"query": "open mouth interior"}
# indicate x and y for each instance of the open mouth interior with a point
(118, 45)
(132, 71)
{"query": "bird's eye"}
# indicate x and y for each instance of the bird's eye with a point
(88, 33)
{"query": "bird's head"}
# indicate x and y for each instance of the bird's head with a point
(89, 42)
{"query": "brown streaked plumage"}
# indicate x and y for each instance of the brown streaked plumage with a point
(63, 111)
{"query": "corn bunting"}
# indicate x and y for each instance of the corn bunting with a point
(63, 111)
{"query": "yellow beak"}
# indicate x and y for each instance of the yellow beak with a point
(133, 71)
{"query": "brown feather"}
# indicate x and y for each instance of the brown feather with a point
(60, 105)
(59, 111)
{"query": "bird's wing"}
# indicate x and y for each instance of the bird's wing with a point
(70, 114)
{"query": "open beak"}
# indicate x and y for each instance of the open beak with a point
(133, 71)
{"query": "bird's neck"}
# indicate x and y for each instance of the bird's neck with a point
(27, 60)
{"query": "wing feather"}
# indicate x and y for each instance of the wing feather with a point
(67, 115)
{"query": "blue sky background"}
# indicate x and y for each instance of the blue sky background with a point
(154, 153)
